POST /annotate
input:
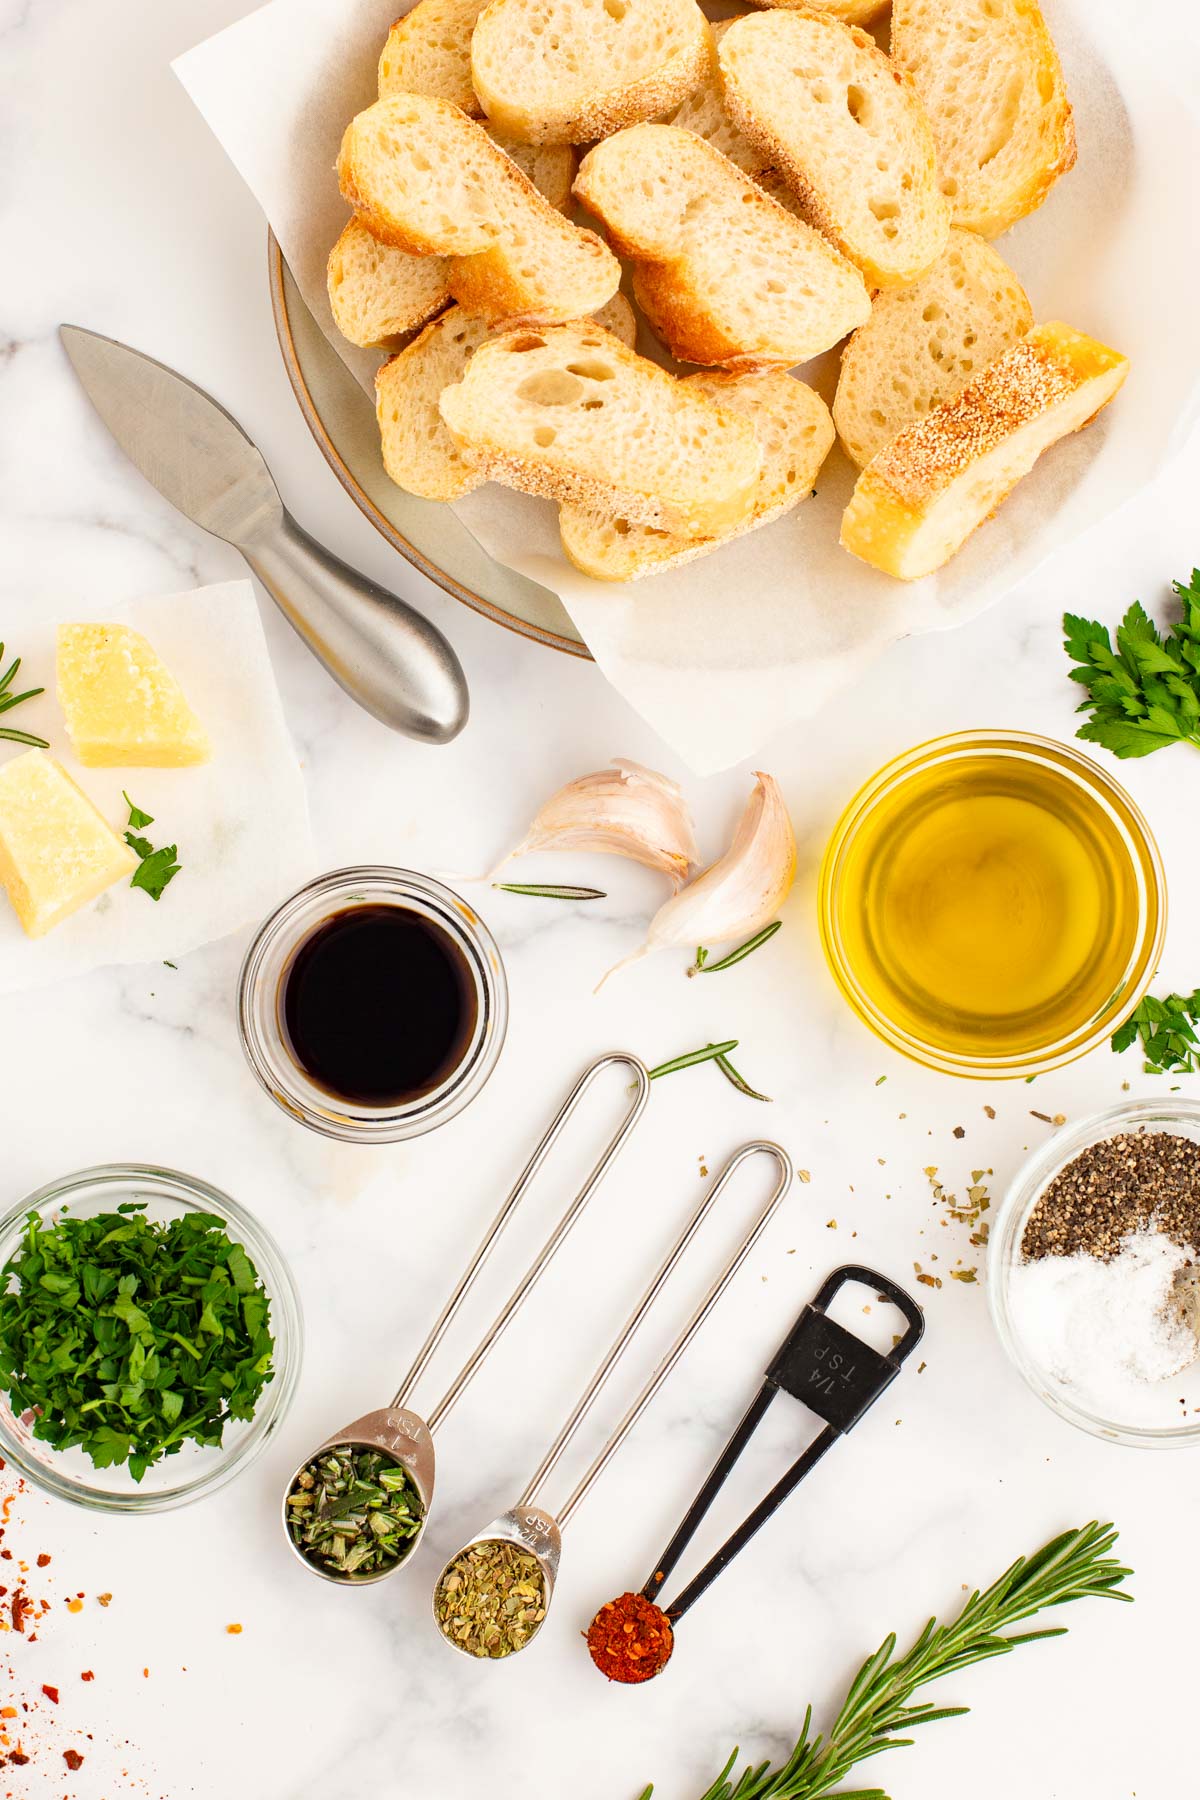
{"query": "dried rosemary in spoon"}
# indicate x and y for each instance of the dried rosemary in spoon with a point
(353, 1511)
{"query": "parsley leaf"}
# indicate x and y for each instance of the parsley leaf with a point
(157, 867)
(1144, 691)
(1167, 1029)
(129, 1337)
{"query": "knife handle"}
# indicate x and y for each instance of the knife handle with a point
(381, 651)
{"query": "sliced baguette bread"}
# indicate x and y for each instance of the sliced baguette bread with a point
(850, 12)
(571, 71)
(724, 274)
(922, 344)
(793, 427)
(570, 413)
(418, 452)
(422, 176)
(428, 51)
(380, 295)
(992, 84)
(924, 494)
(846, 130)
(704, 113)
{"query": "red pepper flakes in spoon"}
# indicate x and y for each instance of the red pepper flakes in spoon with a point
(630, 1639)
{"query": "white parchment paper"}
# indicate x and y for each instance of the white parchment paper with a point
(240, 821)
(719, 654)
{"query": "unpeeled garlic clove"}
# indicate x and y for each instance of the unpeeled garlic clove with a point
(740, 893)
(624, 810)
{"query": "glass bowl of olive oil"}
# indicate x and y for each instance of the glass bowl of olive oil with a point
(992, 904)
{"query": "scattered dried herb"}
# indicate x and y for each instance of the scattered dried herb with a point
(1167, 1030)
(8, 700)
(877, 1713)
(1124, 1183)
(354, 1511)
(491, 1598)
(702, 966)
(1145, 693)
(129, 1337)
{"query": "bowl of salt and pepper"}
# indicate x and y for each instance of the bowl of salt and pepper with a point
(317, 1010)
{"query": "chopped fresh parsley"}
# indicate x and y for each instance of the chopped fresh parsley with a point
(129, 1337)
(1145, 693)
(1167, 1029)
(157, 867)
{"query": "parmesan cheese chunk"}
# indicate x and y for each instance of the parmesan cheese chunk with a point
(122, 705)
(56, 852)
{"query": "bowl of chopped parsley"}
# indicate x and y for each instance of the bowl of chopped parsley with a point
(150, 1338)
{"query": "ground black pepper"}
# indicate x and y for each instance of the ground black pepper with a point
(1122, 1184)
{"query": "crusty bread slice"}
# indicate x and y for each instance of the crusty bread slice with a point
(920, 499)
(847, 131)
(792, 425)
(550, 167)
(571, 71)
(724, 274)
(571, 413)
(850, 12)
(704, 113)
(418, 452)
(422, 176)
(993, 87)
(428, 51)
(380, 295)
(922, 344)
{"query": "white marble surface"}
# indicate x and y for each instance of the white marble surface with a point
(116, 211)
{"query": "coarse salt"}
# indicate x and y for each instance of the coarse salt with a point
(1109, 1332)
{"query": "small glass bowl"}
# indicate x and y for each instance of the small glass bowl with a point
(260, 989)
(197, 1469)
(1145, 870)
(1181, 1117)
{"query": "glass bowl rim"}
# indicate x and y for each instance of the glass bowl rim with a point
(382, 1125)
(1103, 787)
(191, 1192)
(1030, 1180)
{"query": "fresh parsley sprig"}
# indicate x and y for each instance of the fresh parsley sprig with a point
(8, 700)
(157, 867)
(1167, 1031)
(878, 1713)
(1144, 693)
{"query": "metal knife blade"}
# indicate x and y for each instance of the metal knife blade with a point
(184, 443)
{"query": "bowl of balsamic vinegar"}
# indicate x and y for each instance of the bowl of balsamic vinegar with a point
(372, 1004)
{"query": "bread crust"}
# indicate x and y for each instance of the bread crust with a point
(416, 57)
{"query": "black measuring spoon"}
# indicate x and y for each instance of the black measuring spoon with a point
(839, 1378)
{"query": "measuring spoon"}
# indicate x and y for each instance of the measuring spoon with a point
(529, 1525)
(396, 1429)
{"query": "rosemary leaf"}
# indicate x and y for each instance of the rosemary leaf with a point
(739, 1081)
(539, 892)
(702, 966)
(7, 701)
(24, 737)
(708, 1054)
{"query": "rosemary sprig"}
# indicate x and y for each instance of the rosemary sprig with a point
(702, 966)
(8, 700)
(539, 891)
(717, 1053)
(877, 1705)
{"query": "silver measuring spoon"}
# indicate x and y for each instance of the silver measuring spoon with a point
(529, 1525)
(401, 1433)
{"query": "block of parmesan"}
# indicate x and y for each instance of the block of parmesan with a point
(56, 852)
(122, 705)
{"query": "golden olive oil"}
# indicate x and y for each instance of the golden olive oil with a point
(991, 905)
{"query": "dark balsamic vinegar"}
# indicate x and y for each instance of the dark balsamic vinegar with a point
(378, 1006)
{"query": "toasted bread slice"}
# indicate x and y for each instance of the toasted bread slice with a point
(919, 500)
(380, 295)
(572, 414)
(418, 452)
(422, 176)
(922, 344)
(428, 51)
(722, 271)
(850, 12)
(794, 428)
(847, 131)
(571, 71)
(704, 113)
(993, 87)
(550, 167)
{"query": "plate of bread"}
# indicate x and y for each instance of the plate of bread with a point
(656, 301)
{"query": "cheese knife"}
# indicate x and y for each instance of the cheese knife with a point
(377, 647)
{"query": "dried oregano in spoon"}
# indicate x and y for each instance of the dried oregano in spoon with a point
(354, 1511)
(491, 1599)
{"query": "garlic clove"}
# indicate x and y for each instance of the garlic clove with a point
(624, 810)
(738, 894)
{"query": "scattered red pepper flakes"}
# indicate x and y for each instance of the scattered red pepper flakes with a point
(72, 1759)
(8, 1712)
(104, 1599)
(43, 1561)
(51, 1693)
(74, 1606)
(87, 1676)
(146, 1674)
(234, 1630)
